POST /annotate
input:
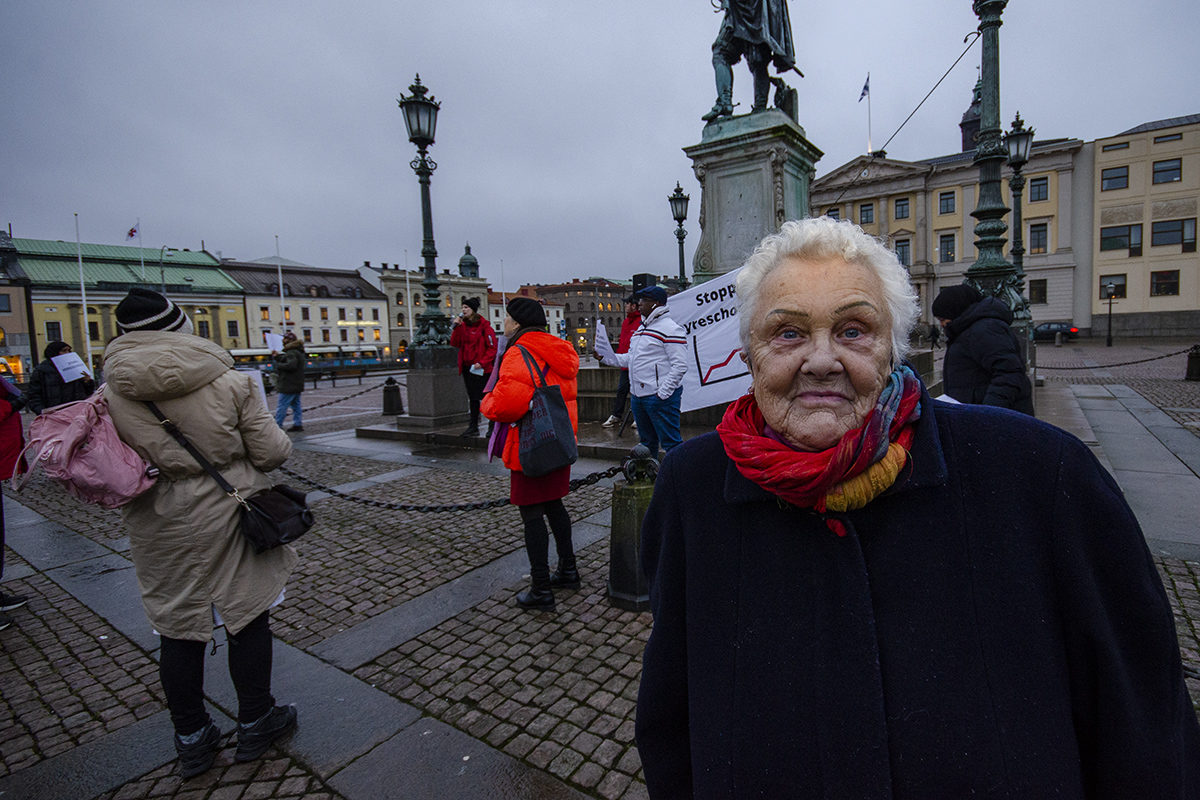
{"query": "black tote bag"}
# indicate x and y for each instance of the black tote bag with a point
(547, 440)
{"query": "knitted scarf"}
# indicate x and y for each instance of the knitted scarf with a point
(847, 476)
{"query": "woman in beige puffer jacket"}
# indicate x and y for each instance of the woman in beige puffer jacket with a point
(194, 567)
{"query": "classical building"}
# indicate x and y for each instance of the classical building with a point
(1146, 201)
(583, 302)
(406, 298)
(18, 351)
(323, 306)
(193, 279)
(923, 210)
(497, 301)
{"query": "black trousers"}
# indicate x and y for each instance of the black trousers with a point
(474, 384)
(181, 670)
(537, 539)
(618, 409)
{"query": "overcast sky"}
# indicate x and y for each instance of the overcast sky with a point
(561, 124)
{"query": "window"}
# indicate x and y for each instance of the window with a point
(358, 314)
(304, 313)
(231, 328)
(362, 335)
(325, 335)
(54, 331)
(264, 313)
(1114, 178)
(417, 299)
(324, 314)
(1118, 286)
(866, 213)
(834, 213)
(287, 313)
(946, 203)
(306, 334)
(1122, 237)
(902, 208)
(1039, 235)
(1037, 292)
(1168, 171)
(1115, 146)
(94, 330)
(946, 248)
(1175, 231)
(400, 319)
(5, 304)
(375, 314)
(375, 334)
(399, 298)
(345, 335)
(1168, 137)
(904, 252)
(1164, 283)
(1039, 189)
(342, 314)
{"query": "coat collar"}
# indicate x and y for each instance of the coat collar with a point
(926, 464)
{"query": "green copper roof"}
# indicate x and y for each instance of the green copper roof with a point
(112, 275)
(48, 247)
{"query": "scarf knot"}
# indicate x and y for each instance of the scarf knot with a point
(863, 464)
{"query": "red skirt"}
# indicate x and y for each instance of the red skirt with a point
(526, 491)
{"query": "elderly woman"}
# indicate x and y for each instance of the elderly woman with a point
(861, 593)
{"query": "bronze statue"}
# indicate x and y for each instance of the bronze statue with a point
(759, 30)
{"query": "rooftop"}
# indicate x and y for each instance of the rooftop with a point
(1158, 125)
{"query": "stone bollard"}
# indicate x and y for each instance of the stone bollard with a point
(392, 404)
(1193, 364)
(628, 588)
(1058, 339)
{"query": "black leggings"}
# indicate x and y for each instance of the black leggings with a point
(537, 539)
(181, 670)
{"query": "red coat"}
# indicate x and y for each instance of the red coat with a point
(12, 440)
(509, 399)
(476, 343)
(628, 326)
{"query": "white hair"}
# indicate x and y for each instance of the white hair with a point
(821, 238)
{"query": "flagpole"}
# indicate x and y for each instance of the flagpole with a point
(869, 148)
(141, 252)
(279, 273)
(87, 337)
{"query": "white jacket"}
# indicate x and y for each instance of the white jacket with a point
(657, 357)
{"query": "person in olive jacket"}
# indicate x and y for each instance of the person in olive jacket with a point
(289, 380)
(47, 389)
(983, 356)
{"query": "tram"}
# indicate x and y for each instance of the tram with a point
(319, 356)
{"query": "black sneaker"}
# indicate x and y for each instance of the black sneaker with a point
(470, 432)
(10, 601)
(198, 751)
(255, 738)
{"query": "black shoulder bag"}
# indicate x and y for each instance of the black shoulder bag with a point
(270, 518)
(546, 440)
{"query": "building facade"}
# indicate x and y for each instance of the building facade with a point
(1146, 199)
(583, 302)
(322, 306)
(497, 301)
(18, 351)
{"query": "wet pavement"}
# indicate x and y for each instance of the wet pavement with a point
(415, 674)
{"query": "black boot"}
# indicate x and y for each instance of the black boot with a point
(565, 577)
(536, 597)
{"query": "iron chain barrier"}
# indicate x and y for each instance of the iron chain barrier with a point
(482, 505)
(347, 397)
(1120, 364)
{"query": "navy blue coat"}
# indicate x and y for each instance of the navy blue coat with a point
(983, 359)
(991, 627)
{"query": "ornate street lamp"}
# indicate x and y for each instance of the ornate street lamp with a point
(420, 118)
(1018, 140)
(1110, 291)
(679, 204)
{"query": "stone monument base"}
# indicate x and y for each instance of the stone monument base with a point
(436, 395)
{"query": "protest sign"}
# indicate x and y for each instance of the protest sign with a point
(71, 367)
(708, 315)
(274, 341)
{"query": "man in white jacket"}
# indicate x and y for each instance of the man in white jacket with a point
(656, 362)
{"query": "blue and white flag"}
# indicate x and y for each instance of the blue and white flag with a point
(866, 92)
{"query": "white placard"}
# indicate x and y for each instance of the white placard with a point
(708, 314)
(274, 341)
(71, 367)
(257, 379)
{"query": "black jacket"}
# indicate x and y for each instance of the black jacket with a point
(992, 626)
(289, 368)
(47, 389)
(983, 362)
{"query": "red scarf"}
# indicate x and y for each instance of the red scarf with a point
(805, 479)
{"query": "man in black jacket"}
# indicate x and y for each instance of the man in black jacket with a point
(983, 357)
(47, 388)
(289, 380)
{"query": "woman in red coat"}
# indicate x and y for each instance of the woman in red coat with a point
(12, 442)
(539, 499)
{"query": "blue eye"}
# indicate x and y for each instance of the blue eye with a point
(852, 333)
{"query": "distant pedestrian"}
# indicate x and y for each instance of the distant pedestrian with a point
(935, 335)
(476, 343)
(633, 319)
(12, 442)
(47, 389)
(538, 499)
(983, 363)
(289, 380)
(195, 569)
(657, 362)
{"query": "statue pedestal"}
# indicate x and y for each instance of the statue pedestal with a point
(436, 395)
(754, 172)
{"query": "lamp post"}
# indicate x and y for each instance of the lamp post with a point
(679, 205)
(162, 271)
(1018, 140)
(420, 118)
(1110, 290)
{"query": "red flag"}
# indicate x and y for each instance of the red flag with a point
(132, 233)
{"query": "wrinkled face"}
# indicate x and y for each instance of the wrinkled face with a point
(820, 349)
(510, 326)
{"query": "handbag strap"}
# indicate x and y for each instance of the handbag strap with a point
(538, 375)
(173, 429)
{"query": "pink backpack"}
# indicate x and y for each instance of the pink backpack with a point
(77, 446)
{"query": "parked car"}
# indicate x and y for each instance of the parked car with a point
(1047, 330)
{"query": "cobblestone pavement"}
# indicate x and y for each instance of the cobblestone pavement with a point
(553, 690)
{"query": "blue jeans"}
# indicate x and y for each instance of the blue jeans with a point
(288, 401)
(658, 420)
